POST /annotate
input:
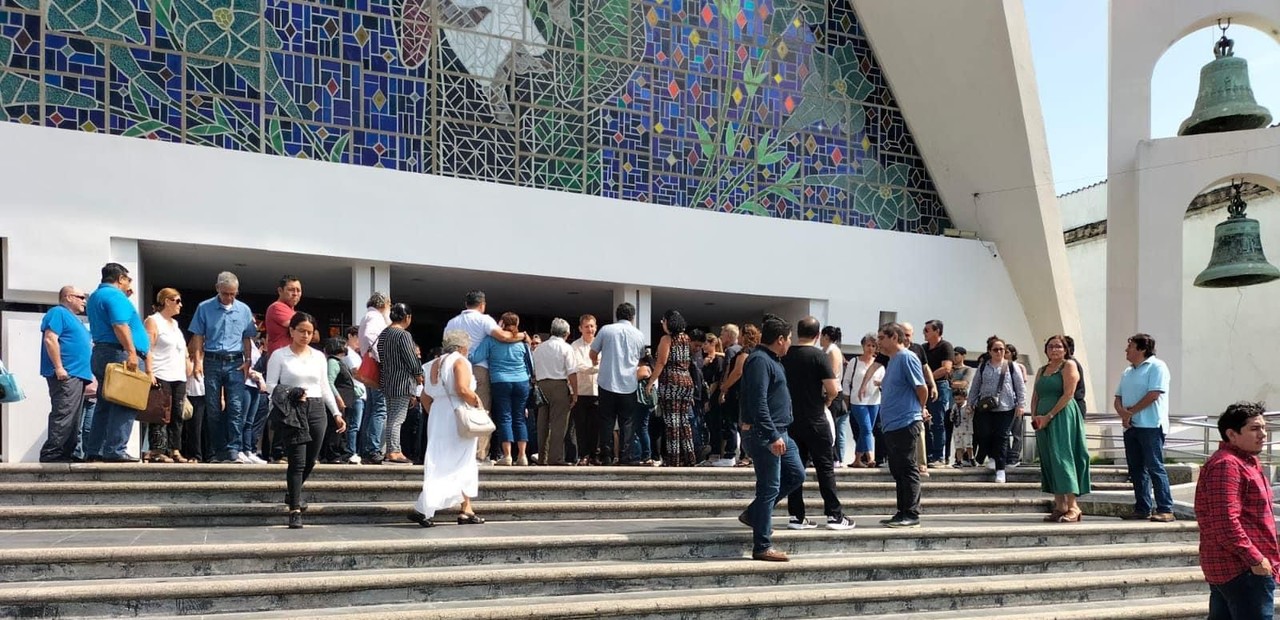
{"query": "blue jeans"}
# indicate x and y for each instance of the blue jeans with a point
(1247, 597)
(1144, 451)
(509, 398)
(843, 436)
(257, 406)
(225, 373)
(936, 440)
(530, 425)
(111, 424)
(698, 423)
(863, 419)
(641, 446)
(776, 477)
(373, 425)
(86, 423)
(353, 415)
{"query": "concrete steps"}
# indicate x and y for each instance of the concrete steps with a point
(452, 584)
(97, 540)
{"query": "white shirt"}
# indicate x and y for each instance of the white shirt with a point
(371, 325)
(554, 359)
(478, 326)
(854, 371)
(168, 357)
(587, 372)
(310, 371)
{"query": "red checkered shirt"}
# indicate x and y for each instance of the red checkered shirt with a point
(1233, 507)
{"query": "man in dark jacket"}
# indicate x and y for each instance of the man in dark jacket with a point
(766, 414)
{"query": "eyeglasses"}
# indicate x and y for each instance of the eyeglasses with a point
(176, 300)
(1055, 346)
(994, 349)
(80, 297)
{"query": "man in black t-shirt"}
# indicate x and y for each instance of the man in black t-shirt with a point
(939, 354)
(812, 384)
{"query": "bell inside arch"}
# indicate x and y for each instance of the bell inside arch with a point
(1225, 102)
(1238, 259)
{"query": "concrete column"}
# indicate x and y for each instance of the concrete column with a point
(642, 298)
(366, 278)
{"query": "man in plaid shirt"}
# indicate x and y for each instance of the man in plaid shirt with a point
(1238, 550)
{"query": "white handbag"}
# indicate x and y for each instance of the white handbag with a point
(472, 421)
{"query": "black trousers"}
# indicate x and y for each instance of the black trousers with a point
(813, 438)
(67, 400)
(586, 428)
(302, 456)
(617, 409)
(168, 437)
(194, 444)
(900, 449)
(991, 429)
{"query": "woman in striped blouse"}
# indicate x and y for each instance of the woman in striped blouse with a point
(401, 371)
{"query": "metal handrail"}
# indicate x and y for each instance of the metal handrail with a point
(1185, 447)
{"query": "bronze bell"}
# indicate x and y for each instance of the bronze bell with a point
(1237, 258)
(1225, 102)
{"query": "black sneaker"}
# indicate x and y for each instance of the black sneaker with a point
(901, 522)
(895, 517)
(797, 523)
(745, 520)
(840, 522)
(295, 520)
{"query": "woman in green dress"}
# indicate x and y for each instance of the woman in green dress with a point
(1060, 439)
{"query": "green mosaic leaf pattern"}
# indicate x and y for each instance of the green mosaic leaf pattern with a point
(114, 20)
(877, 192)
(831, 91)
(222, 28)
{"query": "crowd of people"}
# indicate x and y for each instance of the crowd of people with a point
(243, 390)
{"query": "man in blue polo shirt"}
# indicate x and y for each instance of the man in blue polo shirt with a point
(222, 329)
(903, 396)
(1143, 404)
(118, 337)
(64, 363)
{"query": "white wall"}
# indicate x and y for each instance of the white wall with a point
(83, 190)
(1227, 334)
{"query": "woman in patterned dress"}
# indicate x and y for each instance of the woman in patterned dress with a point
(675, 390)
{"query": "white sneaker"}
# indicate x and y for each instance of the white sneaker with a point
(1000, 476)
(257, 460)
(355, 458)
(991, 464)
(243, 458)
(840, 523)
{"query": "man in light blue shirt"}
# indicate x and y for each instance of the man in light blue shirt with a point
(1143, 404)
(903, 395)
(118, 337)
(617, 348)
(222, 330)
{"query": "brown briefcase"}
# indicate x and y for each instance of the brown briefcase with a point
(128, 388)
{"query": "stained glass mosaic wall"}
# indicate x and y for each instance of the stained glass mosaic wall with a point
(769, 107)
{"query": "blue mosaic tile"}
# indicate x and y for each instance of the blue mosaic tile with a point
(638, 109)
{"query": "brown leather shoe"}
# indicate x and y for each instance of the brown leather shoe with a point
(1163, 517)
(1135, 516)
(770, 555)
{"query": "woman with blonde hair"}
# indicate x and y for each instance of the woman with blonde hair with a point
(170, 367)
(450, 474)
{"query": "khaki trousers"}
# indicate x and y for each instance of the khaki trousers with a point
(553, 421)
(482, 390)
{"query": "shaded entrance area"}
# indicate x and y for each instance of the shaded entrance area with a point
(434, 293)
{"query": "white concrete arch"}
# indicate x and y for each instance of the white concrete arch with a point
(1151, 182)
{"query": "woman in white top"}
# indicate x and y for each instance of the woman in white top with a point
(300, 366)
(450, 475)
(169, 366)
(863, 409)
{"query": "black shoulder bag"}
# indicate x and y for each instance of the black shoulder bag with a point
(990, 403)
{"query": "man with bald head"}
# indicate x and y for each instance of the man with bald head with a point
(64, 363)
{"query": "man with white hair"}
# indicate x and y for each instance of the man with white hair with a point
(556, 369)
(222, 334)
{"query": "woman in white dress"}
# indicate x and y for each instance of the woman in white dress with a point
(450, 475)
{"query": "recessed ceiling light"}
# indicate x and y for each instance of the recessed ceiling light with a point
(415, 279)
(709, 303)
(573, 293)
(242, 264)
